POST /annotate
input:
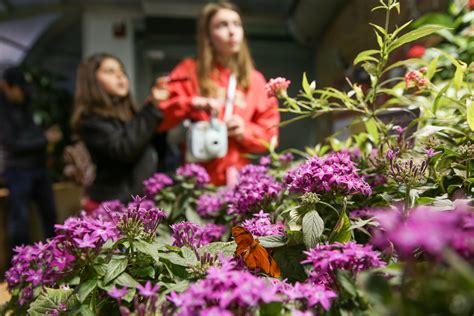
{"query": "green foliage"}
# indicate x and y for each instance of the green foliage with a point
(49, 300)
(313, 228)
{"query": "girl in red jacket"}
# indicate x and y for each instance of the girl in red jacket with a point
(198, 87)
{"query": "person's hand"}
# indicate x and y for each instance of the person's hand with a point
(236, 127)
(53, 134)
(160, 92)
(206, 104)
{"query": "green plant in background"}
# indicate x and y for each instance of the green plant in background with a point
(52, 106)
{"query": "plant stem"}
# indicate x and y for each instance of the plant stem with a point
(329, 205)
(407, 201)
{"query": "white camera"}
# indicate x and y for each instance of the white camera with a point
(206, 140)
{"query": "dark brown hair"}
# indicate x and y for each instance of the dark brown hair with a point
(242, 64)
(90, 97)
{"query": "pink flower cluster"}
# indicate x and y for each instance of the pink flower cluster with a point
(211, 204)
(308, 294)
(194, 235)
(224, 291)
(254, 188)
(352, 257)
(416, 78)
(426, 229)
(156, 183)
(277, 87)
(332, 173)
(141, 219)
(41, 264)
(260, 225)
(195, 173)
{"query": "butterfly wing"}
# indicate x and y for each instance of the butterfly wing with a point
(259, 257)
(274, 268)
(243, 239)
(253, 254)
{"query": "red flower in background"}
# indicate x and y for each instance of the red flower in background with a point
(471, 4)
(417, 50)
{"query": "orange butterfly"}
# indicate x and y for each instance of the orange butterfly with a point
(254, 255)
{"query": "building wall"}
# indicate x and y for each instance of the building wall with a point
(98, 35)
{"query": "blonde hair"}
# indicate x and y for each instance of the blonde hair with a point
(242, 63)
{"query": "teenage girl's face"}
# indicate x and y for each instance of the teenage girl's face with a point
(112, 78)
(226, 32)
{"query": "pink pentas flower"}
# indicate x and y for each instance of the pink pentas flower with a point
(117, 293)
(324, 260)
(194, 172)
(332, 173)
(416, 79)
(148, 290)
(195, 236)
(224, 289)
(277, 87)
(254, 188)
(440, 230)
(156, 183)
(260, 225)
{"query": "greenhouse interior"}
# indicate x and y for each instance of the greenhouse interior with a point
(237, 157)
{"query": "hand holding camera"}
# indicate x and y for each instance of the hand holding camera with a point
(209, 105)
(236, 127)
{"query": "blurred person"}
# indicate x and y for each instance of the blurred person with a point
(115, 131)
(198, 87)
(168, 151)
(26, 175)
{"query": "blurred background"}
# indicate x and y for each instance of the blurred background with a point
(286, 38)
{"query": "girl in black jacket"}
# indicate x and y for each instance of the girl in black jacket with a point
(116, 133)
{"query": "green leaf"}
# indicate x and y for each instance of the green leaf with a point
(289, 260)
(127, 280)
(84, 310)
(189, 256)
(458, 77)
(130, 295)
(432, 68)
(366, 55)
(376, 287)
(272, 241)
(348, 284)
(313, 227)
(425, 200)
(85, 289)
(100, 269)
(405, 62)
(114, 268)
(470, 114)
(439, 96)
(306, 86)
(431, 129)
(271, 309)
(379, 39)
(371, 127)
(434, 18)
(147, 272)
(342, 230)
(414, 35)
(48, 301)
(227, 248)
(148, 249)
(193, 216)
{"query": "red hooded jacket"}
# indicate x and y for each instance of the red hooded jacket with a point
(258, 111)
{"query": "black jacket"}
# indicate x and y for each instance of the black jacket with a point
(23, 141)
(121, 152)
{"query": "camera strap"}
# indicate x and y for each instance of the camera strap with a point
(230, 96)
